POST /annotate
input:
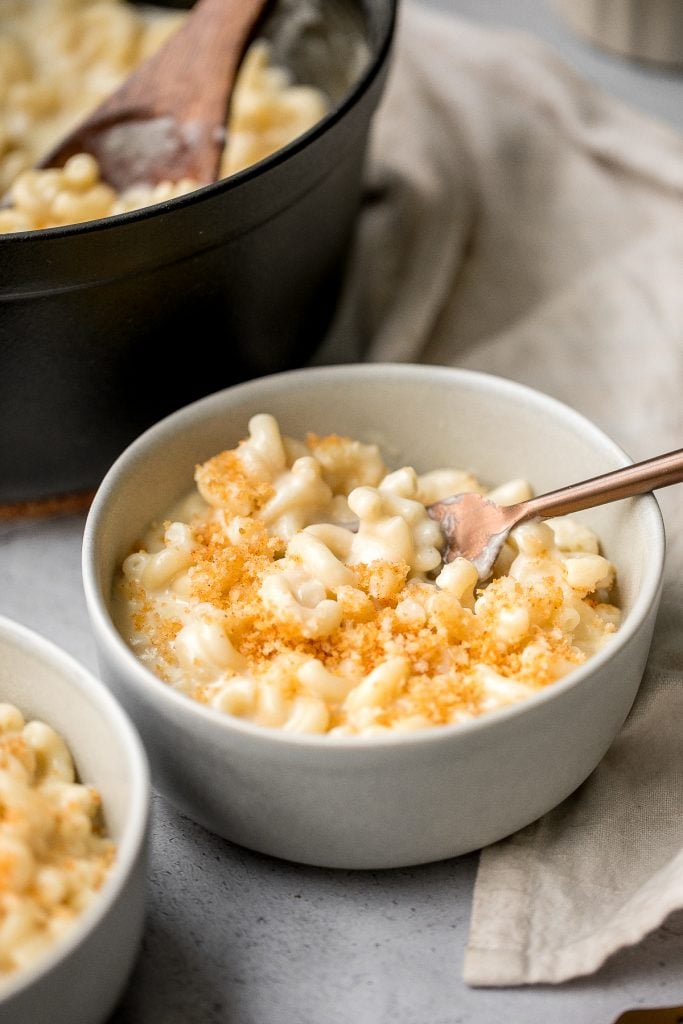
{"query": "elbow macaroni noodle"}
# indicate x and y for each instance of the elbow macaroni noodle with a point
(301, 586)
(53, 854)
(60, 58)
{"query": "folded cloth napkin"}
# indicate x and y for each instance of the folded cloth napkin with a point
(518, 221)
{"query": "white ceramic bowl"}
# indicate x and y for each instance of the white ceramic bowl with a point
(79, 980)
(380, 802)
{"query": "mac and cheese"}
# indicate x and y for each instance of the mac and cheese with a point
(60, 58)
(54, 855)
(301, 586)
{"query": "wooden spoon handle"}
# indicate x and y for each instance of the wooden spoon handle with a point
(167, 120)
(190, 77)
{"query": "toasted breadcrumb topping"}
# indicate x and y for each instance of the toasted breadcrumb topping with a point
(444, 656)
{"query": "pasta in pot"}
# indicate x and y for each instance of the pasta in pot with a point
(60, 58)
(301, 586)
(54, 854)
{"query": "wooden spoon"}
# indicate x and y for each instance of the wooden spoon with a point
(476, 528)
(167, 120)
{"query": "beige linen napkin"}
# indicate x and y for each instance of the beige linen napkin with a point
(518, 221)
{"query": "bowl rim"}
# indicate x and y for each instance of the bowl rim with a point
(106, 633)
(373, 69)
(135, 831)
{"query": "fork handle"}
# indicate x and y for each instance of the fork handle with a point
(640, 478)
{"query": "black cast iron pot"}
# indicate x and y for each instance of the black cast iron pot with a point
(106, 327)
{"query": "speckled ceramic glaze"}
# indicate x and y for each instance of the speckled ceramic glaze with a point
(81, 978)
(410, 799)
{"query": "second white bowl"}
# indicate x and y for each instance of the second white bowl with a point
(80, 978)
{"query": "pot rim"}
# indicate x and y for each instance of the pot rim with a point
(238, 178)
